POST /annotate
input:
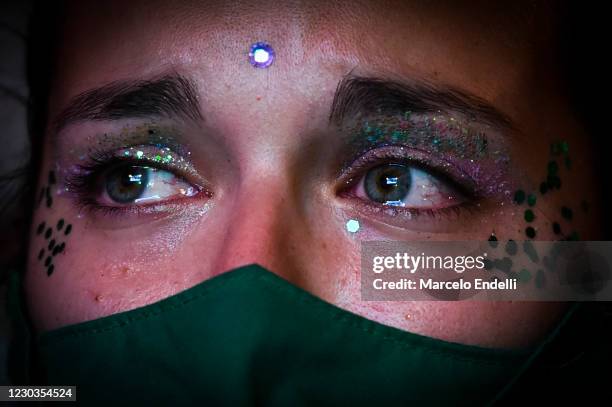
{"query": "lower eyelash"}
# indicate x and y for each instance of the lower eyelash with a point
(377, 209)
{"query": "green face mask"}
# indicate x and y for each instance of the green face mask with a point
(248, 337)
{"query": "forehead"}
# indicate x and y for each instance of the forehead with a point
(468, 46)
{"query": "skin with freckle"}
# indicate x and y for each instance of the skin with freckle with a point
(265, 158)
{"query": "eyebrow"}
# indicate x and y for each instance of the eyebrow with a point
(362, 96)
(167, 96)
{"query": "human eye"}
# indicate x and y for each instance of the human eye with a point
(406, 185)
(134, 179)
(402, 181)
(430, 166)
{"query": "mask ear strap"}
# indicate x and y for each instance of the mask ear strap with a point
(538, 351)
(20, 345)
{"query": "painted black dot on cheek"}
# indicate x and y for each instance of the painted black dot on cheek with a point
(61, 247)
(48, 260)
(56, 250)
(556, 228)
(511, 247)
(48, 233)
(543, 188)
(60, 224)
(41, 253)
(50, 270)
(493, 241)
(519, 196)
(531, 200)
(40, 228)
(51, 244)
(530, 251)
(530, 232)
(68, 229)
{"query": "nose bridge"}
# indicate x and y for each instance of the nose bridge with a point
(260, 218)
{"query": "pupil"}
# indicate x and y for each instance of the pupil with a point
(127, 183)
(389, 183)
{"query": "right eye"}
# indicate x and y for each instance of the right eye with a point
(128, 184)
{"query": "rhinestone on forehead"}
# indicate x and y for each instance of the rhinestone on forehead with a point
(261, 55)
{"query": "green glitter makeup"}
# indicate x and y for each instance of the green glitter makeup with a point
(117, 161)
(519, 197)
(457, 148)
(531, 200)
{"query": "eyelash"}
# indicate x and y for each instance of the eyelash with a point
(83, 182)
(389, 154)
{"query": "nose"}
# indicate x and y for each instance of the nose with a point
(264, 224)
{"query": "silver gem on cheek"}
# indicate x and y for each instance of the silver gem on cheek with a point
(261, 55)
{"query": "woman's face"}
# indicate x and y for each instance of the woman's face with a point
(170, 159)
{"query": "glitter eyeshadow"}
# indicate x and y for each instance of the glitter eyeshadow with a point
(261, 55)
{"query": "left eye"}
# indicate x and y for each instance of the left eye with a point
(403, 185)
(132, 184)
